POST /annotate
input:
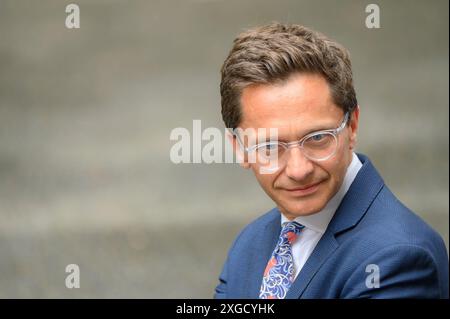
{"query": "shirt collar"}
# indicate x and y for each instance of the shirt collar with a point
(320, 220)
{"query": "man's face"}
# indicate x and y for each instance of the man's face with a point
(299, 106)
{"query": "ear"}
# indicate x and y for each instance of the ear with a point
(354, 122)
(240, 155)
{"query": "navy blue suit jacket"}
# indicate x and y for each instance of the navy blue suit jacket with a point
(370, 227)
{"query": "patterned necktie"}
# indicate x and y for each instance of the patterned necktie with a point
(279, 273)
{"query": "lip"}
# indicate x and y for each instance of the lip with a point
(308, 190)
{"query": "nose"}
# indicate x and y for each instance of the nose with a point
(298, 166)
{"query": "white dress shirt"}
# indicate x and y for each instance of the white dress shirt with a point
(316, 224)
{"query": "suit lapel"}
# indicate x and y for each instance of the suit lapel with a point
(324, 248)
(360, 195)
(354, 205)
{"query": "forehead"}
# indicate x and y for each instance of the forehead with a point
(302, 102)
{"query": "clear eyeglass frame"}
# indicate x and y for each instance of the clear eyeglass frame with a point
(275, 144)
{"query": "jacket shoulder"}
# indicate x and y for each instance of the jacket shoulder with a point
(392, 220)
(258, 225)
(388, 223)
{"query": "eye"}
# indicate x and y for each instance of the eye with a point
(319, 140)
(317, 137)
(268, 149)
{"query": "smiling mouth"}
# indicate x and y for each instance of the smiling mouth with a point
(307, 190)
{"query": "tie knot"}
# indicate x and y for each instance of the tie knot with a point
(291, 230)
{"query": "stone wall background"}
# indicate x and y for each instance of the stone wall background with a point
(85, 118)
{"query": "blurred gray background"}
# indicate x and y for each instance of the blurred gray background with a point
(85, 118)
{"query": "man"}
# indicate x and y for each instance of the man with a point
(337, 230)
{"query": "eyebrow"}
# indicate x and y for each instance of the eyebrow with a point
(311, 130)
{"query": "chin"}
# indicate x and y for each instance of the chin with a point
(302, 208)
(303, 211)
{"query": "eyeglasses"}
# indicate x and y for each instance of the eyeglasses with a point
(316, 146)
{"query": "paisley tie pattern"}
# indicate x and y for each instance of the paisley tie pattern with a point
(279, 272)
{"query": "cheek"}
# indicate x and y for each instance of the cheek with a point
(336, 171)
(265, 180)
(333, 171)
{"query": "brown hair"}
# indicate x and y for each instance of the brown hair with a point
(271, 53)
